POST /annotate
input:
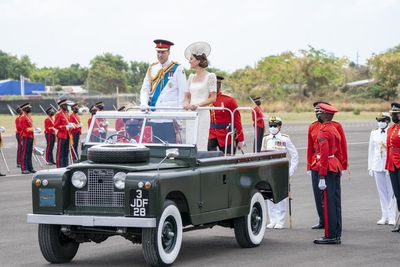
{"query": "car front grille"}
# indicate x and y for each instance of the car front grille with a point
(100, 191)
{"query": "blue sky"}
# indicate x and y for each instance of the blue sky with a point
(63, 32)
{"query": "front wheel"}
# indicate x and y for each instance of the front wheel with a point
(54, 245)
(161, 245)
(250, 229)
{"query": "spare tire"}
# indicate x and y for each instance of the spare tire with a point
(118, 153)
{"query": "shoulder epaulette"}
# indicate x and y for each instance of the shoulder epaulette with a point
(285, 135)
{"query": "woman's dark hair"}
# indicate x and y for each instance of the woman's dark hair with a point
(203, 60)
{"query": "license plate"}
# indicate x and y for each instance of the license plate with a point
(139, 202)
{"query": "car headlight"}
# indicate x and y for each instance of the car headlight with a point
(79, 179)
(119, 180)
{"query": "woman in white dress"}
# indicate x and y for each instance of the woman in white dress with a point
(201, 91)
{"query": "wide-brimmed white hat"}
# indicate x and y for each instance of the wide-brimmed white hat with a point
(198, 48)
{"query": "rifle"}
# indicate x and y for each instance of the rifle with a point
(290, 207)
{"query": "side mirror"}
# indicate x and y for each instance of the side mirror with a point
(172, 153)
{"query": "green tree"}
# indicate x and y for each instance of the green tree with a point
(11, 67)
(115, 61)
(137, 72)
(105, 79)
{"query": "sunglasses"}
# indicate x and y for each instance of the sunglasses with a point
(274, 125)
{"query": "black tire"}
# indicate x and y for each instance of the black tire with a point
(160, 248)
(250, 229)
(54, 245)
(118, 153)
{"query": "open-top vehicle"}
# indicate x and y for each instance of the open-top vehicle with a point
(132, 183)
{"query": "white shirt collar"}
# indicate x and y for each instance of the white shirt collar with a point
(166, 64)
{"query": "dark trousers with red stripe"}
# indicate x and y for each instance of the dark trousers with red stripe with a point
(317, 196)
(332, 206)
(19, 148)
(62, 153)
(260, 135)
(213, 145)
(76, 138)
(26, 155)
(50, 140)
(395, 179)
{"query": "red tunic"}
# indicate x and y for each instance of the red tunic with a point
(74, 118)
(259, 116)
(313, 130)
(328, 152)
(393, 148)
(61, 119)
(49, 126)
(220, 118)
(18, 128)
(119, 125)
(26, 125)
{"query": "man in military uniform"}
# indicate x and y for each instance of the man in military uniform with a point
(278, 141)
(163, 86)
(313, 130)
(329, 167)
(50, 135)
(393, 155)
(63, 126)
(258, 120)
(95, 136)
(220, 122)
(101, 122)
(18, 136)
(76, 131)
(27, 132)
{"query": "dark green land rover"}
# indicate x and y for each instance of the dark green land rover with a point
(132, 183)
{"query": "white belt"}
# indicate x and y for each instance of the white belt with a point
(330, 156)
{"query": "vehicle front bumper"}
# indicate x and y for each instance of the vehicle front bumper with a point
(92, 220)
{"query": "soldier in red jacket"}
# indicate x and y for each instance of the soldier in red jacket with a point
(327, 164)
(119, 123)
(63, 126)
(18, 136)
(393, 155)
(50, 135)
(76, 131)
(27, 130)
(220, 122)
(95, 136)
(313, 131)
(259, 121)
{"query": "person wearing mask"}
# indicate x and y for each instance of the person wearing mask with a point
(76, 131)
(221, 121)
(393, 154)
(279, 141)
(50, 135)
(63, 126)
(313, 131)
(163, 86)
(258, 120)
(18, 136)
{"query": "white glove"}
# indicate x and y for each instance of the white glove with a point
(322, 184)
(79, 125)
(69, 126)
(102, 130)
(371, 173)
(291, 172)
(144, 107)
(2, 129)
(37, 130)
(106, 123)
(309, 173)
(132, 141)
(240, 144)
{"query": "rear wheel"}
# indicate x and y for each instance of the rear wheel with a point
(54, 245)
(161, 245)
(250, 229)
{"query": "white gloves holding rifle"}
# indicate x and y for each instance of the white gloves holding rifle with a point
(37, 130)
(322, 184)
(69, 125)
(2, 129)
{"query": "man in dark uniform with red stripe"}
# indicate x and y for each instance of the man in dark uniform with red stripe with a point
(102, 123)
(50, 135)
(313, 131)
(327, 164)
(259, 121)
(18, 136)
(76, 131)
(220, 122)
(393, 155)
(27, 139)
(62, 124)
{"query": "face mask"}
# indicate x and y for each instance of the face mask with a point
(395, 119)
(28, 110)
(318, 116)
(273, 130)
(64, 107)
(382, 124)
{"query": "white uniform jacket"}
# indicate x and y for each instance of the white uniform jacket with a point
(173, 92)
(282, 142)
(377, 150)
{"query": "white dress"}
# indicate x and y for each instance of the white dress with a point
(200, 91)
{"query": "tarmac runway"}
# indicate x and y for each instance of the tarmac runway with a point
(363, 242)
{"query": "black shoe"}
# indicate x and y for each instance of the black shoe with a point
(32, 171)
(25, 172)
(327, 241)
(18, 165)
(396, 229)
(2, 174)
(51, 163)
(318, 226)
